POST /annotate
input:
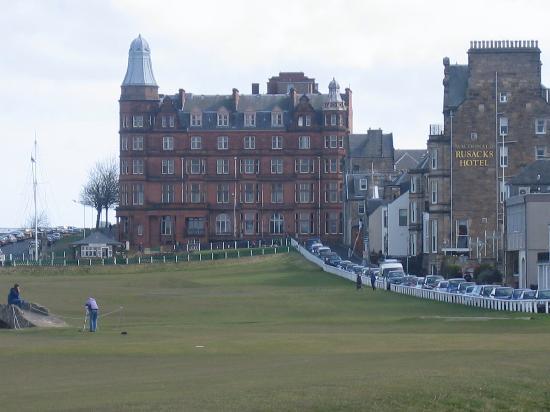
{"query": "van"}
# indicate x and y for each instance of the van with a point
(390, 265)
(323, 251)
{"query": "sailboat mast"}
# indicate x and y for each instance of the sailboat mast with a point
(34, 183)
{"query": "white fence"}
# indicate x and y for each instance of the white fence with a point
(529, 306)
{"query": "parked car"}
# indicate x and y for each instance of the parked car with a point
(454, 284)
(469, 289)
(333, 259)
(343, 264)
(409, 281)
(431, 281)
(542, 296)
(463, 286)
(521, 294)
(323, 251)
(486, 290)
(394, 278)
(502, 292)
(311, 241)
(441, 286)
(419, 282)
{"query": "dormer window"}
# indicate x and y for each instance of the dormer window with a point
(250, 119)
(223, 119)
(333, 119)
(308, 120)
(300, 121)
(196, 119)
(276, 118)
(172, 121)
(167, 121)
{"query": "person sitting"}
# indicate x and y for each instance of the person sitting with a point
(13, 297)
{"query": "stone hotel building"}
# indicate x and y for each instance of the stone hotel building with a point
(232, 166)
(496, 116)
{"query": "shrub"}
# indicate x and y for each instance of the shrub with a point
(488, 276)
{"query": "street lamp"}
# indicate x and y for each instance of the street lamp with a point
(84, 214)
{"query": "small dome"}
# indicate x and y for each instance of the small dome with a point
(139, 44)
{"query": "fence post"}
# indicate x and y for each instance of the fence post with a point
(238, 253)
(200, 256)
(103, 261)
(151, 258)
(139, 260)
(126, 260)
(176, 258)
(226, 255)
(235, 244)
(164, 259)
(212, 256)
(78, 262)
(64, 262)
(115, 260)
(90, 262)
(188, 257)
(263, 251)
(210, 245)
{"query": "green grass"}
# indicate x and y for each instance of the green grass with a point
(278, 334)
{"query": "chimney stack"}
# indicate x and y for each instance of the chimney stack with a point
(236, 98)
(255, 88)
(181, 99)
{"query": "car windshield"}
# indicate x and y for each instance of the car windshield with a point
(430, 280)
(443, 284)
(503, 292)
(544, 294)
(469, 289)
(455, 282)
(517, 293)
(529, 294)
(465, 285)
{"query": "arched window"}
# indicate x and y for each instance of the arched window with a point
(223, 224)
(276, 223)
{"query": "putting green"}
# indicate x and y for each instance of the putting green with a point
(265, 333)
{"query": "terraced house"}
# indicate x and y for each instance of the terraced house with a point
(231, 166)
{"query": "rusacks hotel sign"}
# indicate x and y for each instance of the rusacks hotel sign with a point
(474, 155)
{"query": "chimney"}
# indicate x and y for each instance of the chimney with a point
(255, 88)
(182, 99)
(236, 99)
(293, 96)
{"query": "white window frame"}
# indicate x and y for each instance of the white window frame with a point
(276, 118)
(276, 142)
(304, 142)
(123, 142)
(137, 166)
(196, 119)
(503, 156)
(222, 166)
(249, 166)
(538, 123)
(223, 119)
(276, 166)
(434, 159)
(503, 126)
(433, 192)
(250, 119)
(137, 121)
(167, 143)
(544, 152)
(167, 166)
(307, 120)
(223, 142)
(413, 184)
(363, 183)
(249, 142)
(503, 97)
(275, 192)
(137, 194)
(137, 143)
(196, 142)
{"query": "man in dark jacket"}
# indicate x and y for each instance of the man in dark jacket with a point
(373, 280)
(358, 282)
(13, 297)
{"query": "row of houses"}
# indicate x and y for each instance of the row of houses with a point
(287, 163)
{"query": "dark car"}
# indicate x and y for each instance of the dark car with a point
(454, 284)
(309, 243)
(487, 290)
(333, 259)
(521, 294)
(503, 293)
(542, 296)
(395, 278)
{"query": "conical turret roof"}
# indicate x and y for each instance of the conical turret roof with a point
(140, 68)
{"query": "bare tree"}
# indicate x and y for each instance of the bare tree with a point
(101, 190)
(41, 218)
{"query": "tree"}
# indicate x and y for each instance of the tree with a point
(101, 190)
(41, 218)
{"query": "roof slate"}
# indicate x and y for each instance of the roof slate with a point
(373, 144)
(529, 175)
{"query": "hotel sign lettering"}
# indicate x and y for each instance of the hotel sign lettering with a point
(474, 155)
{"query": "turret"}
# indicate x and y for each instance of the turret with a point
(139, 82)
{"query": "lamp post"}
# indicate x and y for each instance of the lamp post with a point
(84, 214)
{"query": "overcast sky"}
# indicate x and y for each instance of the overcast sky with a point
(63, 62)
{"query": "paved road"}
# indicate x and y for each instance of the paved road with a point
(17, 249)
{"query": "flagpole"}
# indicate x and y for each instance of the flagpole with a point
(33, 161)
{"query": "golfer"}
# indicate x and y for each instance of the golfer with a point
(93, 309)
(358, 282)
(13, 297)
